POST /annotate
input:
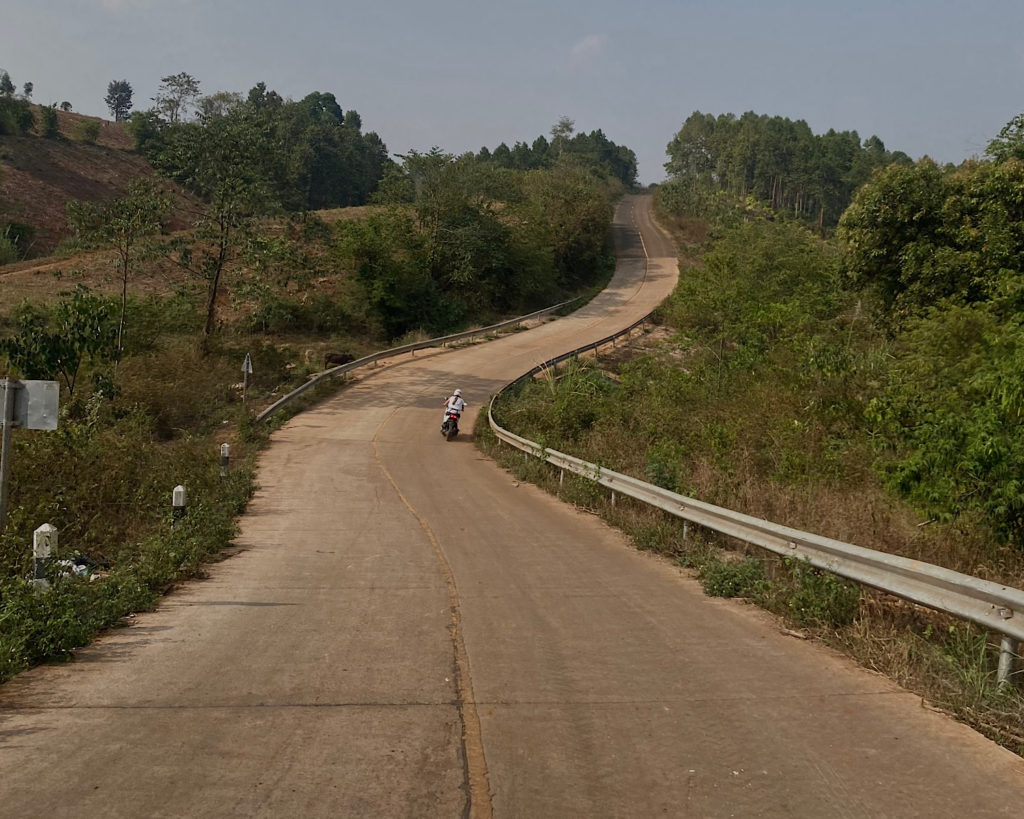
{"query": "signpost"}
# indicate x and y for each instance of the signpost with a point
(25, 404)
(246, 372)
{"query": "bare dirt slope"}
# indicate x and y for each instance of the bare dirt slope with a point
(408, 632)
(39, 176)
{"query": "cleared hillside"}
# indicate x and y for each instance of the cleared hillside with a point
(39, 176)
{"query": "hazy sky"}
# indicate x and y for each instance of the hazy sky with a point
(936, 77)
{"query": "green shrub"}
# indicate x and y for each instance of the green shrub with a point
(819, 598)
(16, 117)
(8, 250)
(87, 131)
(731, 578)
(48, 122)
(20, 237)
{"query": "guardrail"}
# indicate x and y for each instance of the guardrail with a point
(406, 348)
(995, 606)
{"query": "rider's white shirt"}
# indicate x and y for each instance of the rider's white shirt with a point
(456, 403)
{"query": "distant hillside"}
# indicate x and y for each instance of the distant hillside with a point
(38, 176)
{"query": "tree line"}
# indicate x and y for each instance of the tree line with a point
(456, 240)
(775, 160)
(918, 365)
(594, 151)
(942, 249)
(302, 155)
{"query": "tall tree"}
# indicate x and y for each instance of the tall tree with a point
(561, 131)
(219, 105)
(221, 161)
(122, 224)
(1010, 142)
(177, 94)
(119, 99)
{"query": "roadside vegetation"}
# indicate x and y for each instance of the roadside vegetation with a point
(305, 239)
(864, 385)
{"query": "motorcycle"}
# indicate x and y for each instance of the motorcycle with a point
(450, 427)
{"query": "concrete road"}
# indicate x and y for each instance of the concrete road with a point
(408, 632)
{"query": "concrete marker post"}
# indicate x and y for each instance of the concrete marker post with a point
(178, 499)
(225, 459)
(44, 543)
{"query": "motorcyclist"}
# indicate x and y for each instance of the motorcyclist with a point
(454, 404)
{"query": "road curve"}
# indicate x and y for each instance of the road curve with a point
(408, 632)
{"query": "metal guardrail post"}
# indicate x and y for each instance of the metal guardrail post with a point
(1009, 655)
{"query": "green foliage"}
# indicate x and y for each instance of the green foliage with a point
(457, 238)
(593, 153)
(696, 198)
(87, 131)
(220, 162)
(777, 161)
(146, 129)
(772, 368)
(945, 251)
(177, 94)
(1010, 142)
(8, 248)
(301, 155)
(122, 223)
(918, 234)
(119, 99)
(48, 122)
(52, 343)
(16, 116)
(20, 237)
(732, 578)
(953, 415)
(813, 597)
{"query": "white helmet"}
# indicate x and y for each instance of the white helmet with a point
(458, 392)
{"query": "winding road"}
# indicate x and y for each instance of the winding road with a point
(406, 631)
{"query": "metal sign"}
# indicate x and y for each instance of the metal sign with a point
(27, 404)
(36, 404)
(247, 365)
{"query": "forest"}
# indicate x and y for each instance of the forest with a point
(775, 160)
(593, 150)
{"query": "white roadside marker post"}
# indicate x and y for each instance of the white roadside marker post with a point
(177, 505)
(44, 543)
